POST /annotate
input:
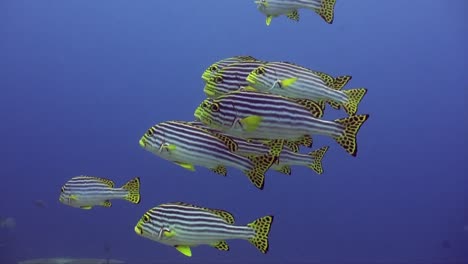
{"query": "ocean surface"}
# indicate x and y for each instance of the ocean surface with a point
(82, 81)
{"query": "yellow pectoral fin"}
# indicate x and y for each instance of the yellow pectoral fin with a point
(73, 197)
(251, 123)
(187, 166)
(169, 147)
(288, 82)
(184, 250)
(169, 234)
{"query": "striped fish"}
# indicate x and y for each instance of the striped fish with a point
(287, 79)
(290, 8)
(230, 78)
(189, 146)
(249, 114)
(183, 225)
(87, 191)
(287, 158)
(219, 65)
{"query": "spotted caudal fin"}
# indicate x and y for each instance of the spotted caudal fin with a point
(317, 157)
(354, 98)
(133, 188)
(327, 10)
(262, 228)
(260, 166)
(347, 139)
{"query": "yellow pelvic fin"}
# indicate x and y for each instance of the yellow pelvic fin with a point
(86, 207)
(251, 123)
(287, 82)
(133, 188)
(317, 156)
(184, 250)
(221, 170)
(326, 11)
(286, 169)
(184, 165)
(262, 228)
(354, 98)
(268, 20)
(294, 15)
(107, 203)
(225, 215)
(347, 139)
(315, 109)
(221, 245)
(229, 142)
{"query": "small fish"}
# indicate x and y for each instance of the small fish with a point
(249, 114)
(87, 191)
(183, 226)
(287, 156)
(290, 80)
(231, 78)
(290, 8)
(219, 65)
(189, 146)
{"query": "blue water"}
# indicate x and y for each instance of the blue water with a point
(81, 81)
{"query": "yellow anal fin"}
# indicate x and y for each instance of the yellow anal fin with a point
(294, 15)
(86, 207)
(133, 188)
(260, 165)
(317, 157)
(286, 169)
(184, 165)
(107, 203)
(221, 170)
(184, 250)
(315, 109)
(221, 245)
(351, 125)
(326, 11)
(229, 142)
(262, 228)
(251, 123)
(354, 98)
(225, 215)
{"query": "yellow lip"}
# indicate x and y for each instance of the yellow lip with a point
(208, 90)
(138, 230)
(142, 143)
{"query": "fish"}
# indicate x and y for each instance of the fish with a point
(290, 80)
(184, 225)
(85, 192)
(219, 65)
(189, 146)
(287, 157)
(231, 78)
(290, 8)
(263, 115)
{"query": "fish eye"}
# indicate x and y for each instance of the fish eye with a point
(218, 79)
(150, 132)
(260, 71)
(214, 107)
(146, 218)
(205, 104)
(213, 68)
(62, 189)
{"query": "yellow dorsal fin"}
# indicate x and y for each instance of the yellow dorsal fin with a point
(314, 108)
(184, 250)
(221, 245)
(228, 217)
(107, 182)
(229, 142)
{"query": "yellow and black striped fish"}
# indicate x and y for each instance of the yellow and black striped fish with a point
(290, 8)
(250, 114)
(219, 65)
(87, 191)
(183, 226)
(189, 146)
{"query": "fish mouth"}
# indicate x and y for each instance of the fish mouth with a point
(138, 230)
(209, 90)
(198, 114)
(142, 142)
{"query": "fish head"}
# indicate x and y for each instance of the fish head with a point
(211, 113)
(216, 86)
(67, 196)
(150, 226)
(210, 72)
(262, 78)
(153, 140)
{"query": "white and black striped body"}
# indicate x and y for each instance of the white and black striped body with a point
(276, 8)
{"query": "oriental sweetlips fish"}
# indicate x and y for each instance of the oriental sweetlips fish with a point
(295, 81)
(290, 8)
(250, 114)
(219, 65)
(183, 226)
(87, 191)
(188, 146)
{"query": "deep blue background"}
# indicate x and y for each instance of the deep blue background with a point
(81, 81)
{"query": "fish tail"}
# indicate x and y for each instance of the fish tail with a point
(260, 166)
(317, 157)
(327, 10)
(262, 228)
(354, 98)
(133, 188)
(347, 139)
